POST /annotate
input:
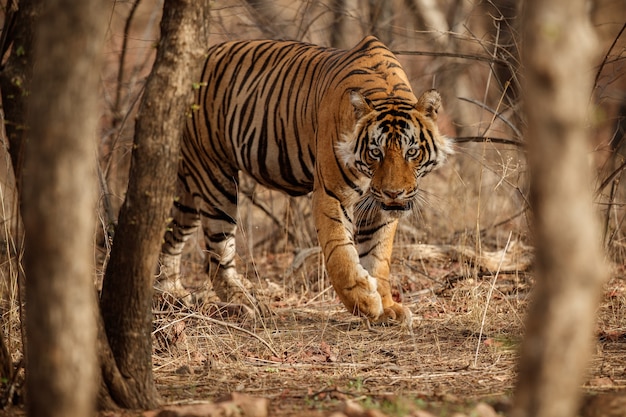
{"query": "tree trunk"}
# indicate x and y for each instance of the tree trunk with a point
(346, 30)
(444, 36)
(558, 55)
(127, 289)
(6, 365)
(58, 205)
(15, 79)
(433, 16)
(504, 30)
(15, 86)
(380, 16)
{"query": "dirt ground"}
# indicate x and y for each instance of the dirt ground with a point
(310, 355)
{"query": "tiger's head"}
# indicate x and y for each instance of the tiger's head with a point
(394, 143)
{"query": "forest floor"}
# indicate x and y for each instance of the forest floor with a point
(311, 357)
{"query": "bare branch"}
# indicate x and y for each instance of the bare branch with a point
(471, 57)
(606, 56)
(120, 72)
(501, 141)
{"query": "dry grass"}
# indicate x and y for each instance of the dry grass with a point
(312, 355)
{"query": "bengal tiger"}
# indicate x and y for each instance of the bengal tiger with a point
(342, 124)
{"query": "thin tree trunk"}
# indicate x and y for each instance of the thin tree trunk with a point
(127, 289)
(504, 30)
(15, 87)
(433, 15)
(264, 13)
(558, 55)
(6, 365)
(445, 36)
(346, 30)
(58, 204)
(15, 78)
(380, 14)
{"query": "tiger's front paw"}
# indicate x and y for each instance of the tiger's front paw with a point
(362, 298)
(399, 314)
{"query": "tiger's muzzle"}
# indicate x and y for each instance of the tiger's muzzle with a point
(394, 200)
(396, 206)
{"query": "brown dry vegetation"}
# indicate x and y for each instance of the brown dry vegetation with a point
(462, 265)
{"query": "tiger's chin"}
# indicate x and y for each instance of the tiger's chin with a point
(396, 210)
(369, 207)
(396, 207)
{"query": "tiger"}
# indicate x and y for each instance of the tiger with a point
(342, 125)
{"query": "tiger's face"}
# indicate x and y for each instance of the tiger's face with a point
(394, 144)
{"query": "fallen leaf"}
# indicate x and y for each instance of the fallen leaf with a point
(492, 342)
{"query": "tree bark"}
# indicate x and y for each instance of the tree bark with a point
(15, 87)
(15, 78)
(433, 15)
(127, 289)
(346, 30)
(505, 30)
(558, 55)
(455, 82)
(380, 13)
(58, 205)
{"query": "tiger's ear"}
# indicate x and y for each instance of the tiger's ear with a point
(361, 104)
(429, 103)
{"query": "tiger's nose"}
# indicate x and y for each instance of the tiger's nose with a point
(393, 194)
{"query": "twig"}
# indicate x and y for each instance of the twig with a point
(606, 56)
(491, 287)
(618, 228)
(109, 221)
(501, 141)
(120, 72)
(482, 58)
(11, 386)
(610, 178)
(507, 182)
(508, 219)
(495, 113)
(249, 194)
(229, 325)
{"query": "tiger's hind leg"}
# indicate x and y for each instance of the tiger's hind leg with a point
(374, 240)
(229, 286)
(219, 224)
(217, 217)
(184, 223)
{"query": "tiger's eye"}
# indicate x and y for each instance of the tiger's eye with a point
(375, 153)
(412, 153)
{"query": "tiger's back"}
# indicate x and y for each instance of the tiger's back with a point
(256, 111)
(300, 118)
